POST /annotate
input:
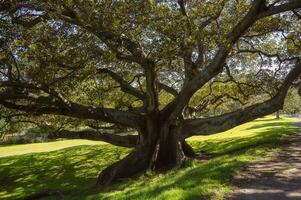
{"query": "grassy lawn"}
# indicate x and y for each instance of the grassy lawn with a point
(21, 149)
(75, 167)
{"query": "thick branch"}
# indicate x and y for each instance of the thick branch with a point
(206, 126)
(216, 66)
(118, 140)
(113, 40)
(116, 42)
(125, 86)
(168, 89)
(217, 63)
(152, 102)
(290, 6)
(55, 105)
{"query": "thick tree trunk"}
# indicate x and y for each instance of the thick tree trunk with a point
(168, 152)
(158, 154)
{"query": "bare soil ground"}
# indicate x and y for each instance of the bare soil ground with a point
(277, 179)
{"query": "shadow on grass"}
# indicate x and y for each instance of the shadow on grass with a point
(197, 181)
(75, 169)
(65, 169)
(202, 180)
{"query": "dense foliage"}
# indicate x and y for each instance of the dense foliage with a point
(165, 70)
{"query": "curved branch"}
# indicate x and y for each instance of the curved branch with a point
(117, 41)
(125, 86)
(107, 35)
(118, 140)
(290, 6)
(56, 104)
(255, 13)
(207, 126)
(168, 89)
(216, 66)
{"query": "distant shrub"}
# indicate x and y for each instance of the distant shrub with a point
(30, 135)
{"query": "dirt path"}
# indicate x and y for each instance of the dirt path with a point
(278, 179)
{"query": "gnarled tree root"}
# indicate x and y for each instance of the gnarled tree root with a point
(144, 158)
(136, 162)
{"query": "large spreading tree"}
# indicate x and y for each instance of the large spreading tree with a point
(162, 70)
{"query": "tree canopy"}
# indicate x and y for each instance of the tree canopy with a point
(165, 69)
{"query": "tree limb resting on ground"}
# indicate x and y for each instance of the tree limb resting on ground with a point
(97, 135)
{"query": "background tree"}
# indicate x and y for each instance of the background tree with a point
(144, 65)
(292, 104)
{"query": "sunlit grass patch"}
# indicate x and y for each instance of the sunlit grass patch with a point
(261, 131)
(20, 149)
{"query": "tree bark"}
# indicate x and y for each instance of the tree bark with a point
(134, 163)
(160, 154)
(125, 140)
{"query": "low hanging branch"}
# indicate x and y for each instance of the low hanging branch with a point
(207, 126)
(51, 105)
(124, 140)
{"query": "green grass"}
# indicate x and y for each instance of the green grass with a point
(21, 149)
(75, 169)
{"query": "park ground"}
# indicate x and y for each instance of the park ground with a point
(72, 166)
(279, 178)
